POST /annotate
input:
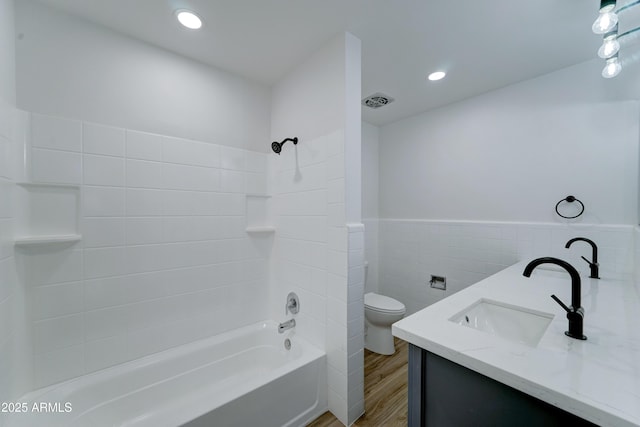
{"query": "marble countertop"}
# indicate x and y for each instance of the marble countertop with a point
(597, 379)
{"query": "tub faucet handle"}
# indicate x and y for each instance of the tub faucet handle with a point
(293, 304)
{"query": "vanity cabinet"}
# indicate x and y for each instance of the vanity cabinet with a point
(445, 394)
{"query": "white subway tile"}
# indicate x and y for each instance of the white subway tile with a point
(146, 341)
(337, 311)
(114, 291)
(59, 332)
(337, 382)
(106, 140)
(56, 133)
(357, 409)
(8, 277)
(144, 174)
(103, 201)
(144, 258)
(256, 183)
(54, 267)
(186, 152)
(228, 204)
(188, 203)
(336, 216)
(144, 146)
(335, 143)
(143, 202)
(256, 162)
(57, 300)
(232, 158)
(108, 322)
(59, 365)
(6, 325)
(191, 178)
(229, 227)
(104, 262)
(195, 253)
(337, 286)
(337, 263)
(56, 166)
(232, 181)
(104, 353)
(306, 203)
(144, 231)
(100, 232)
(5, 158)
(337, 238)
(312, 152)
(335, 167)
(335, 191)
(103, 170)
(105, 292)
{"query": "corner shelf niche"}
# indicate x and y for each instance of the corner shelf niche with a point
(48, 213)
(259, 214)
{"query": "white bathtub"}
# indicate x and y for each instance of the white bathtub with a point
(241, 378)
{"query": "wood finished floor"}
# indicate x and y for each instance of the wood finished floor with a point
(385, 391)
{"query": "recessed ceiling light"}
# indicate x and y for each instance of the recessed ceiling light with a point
(438, 75)
(189, 19)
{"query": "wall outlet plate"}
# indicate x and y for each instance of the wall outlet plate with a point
(438, 282)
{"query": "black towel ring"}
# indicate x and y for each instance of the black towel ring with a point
(570, 199)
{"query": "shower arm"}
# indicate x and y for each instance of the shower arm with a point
(277, 146)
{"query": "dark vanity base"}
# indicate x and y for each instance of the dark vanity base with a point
(445, 394)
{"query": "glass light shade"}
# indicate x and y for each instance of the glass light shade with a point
(605, 22)
(612, 68)
(189, 19)
(438, 75)
(610, 47)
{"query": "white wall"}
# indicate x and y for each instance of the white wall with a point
(512, 154)
(311, 252)
(370, 190)
(71, 68)
(470, 188)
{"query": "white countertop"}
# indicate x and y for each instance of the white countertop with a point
(597, 379)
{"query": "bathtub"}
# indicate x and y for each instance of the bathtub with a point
(242, 378)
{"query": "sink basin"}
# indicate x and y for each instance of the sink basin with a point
(507, 321)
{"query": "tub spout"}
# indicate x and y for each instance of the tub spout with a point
(289, 324)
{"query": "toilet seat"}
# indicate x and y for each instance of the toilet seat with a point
(383, 304)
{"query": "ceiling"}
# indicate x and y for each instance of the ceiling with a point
(483, 45)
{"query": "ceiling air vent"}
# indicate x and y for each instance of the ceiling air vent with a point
(377, 100)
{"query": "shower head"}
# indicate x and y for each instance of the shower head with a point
(277, 146)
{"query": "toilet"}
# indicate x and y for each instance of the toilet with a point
(379, 313)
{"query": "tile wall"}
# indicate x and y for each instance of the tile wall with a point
(467, 252)
(15, 366)
(317, 257)
(8, 278)
(355, 323)
(371, 249)
(636, 234)
(164, 258)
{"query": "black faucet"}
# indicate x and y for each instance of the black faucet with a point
(575, 313)
(593, 265)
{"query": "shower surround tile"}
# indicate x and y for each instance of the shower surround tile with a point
(165, 258)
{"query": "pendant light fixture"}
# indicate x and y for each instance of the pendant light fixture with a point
(607, 19)
(607, 24)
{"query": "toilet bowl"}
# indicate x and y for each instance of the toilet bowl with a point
(379, 313)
